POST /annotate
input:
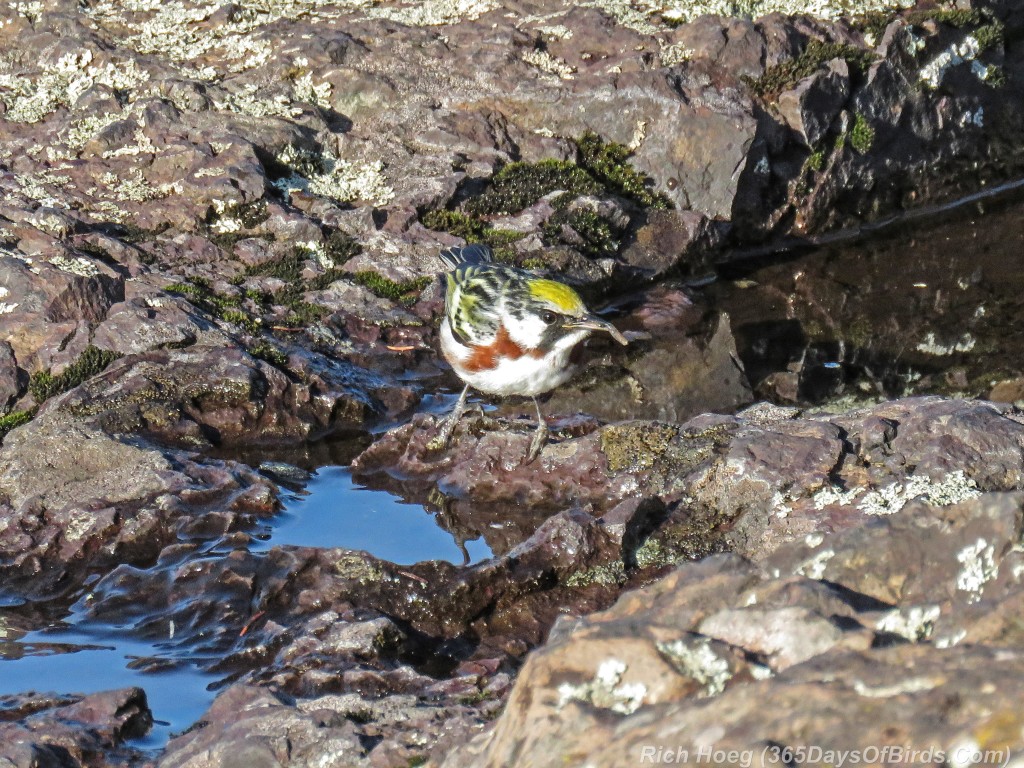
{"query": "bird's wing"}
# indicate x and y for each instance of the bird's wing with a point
(473, 302)
(467, 254)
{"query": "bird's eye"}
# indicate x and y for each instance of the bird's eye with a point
(548, 316)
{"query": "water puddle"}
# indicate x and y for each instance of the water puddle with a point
(335, 511)
(925, 306)
(73, 657)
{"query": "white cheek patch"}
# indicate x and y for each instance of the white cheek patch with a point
(526, 332)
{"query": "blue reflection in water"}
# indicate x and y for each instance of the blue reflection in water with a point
(72, 661)
(335, 511)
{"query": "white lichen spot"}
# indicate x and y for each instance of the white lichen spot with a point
(79, 132)
(814, 568)
(245, 101)
(549, 64)
(226, 226)
(979, 568)
(606, 690)
(676, 53)
(315, 250)
(910, 685)
(142, 145)
(432, 13)
(640, 15)
(935, 71)
(328, 176)
(76, 265)
(6, 308)
(830, 495)
(555, 31)
(915, 623)
(32, 97)
(696, 659)
(950, 640)
(952, 489)
(313, 93)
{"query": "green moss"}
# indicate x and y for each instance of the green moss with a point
(862, 134)
(636, 445)
(303, 314)
(873, 24)
(786, 74)
(287, 267)
(995, 76)
(595, 235)
(43, 385)
(226, 308)
(405, 292)
(13, 420)
(816, 160)
(608, 163)
(606, 575)
(953, 17)
(268, 352)
(470, 228)
(519, 185)
(340, 247)
(990, 36)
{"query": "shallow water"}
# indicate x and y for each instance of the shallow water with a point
(334, 510)
(923, 306)
(71, 654)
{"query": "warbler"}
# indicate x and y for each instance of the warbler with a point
(509, 332)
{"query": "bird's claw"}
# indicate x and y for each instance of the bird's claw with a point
(540, 439)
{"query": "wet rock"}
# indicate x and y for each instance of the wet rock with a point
(675, 367)
(74, 730)
(219, 395)
(76, 498)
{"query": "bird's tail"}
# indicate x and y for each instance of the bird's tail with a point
(458, 255)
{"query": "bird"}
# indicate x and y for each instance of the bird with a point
(508, 331)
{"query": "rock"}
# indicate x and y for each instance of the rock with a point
(76, 730)
(812, 106)
(12, 378)
(667, 667)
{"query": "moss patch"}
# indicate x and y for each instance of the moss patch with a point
(406, 292)
(602, 168)
(43, 385)
(590, 234)
(862, 134)
(519, 185)
(13, 420)
(786, 74)
(608, 163)
(268, 353)
(226, 308)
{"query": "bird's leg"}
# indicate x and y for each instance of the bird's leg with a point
(444, 435)
(540, 437)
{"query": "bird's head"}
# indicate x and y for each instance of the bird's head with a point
(549, 315)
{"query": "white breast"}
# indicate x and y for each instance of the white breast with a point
(527, 376)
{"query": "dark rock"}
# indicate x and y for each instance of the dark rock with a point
(810, 108)
(12, 379)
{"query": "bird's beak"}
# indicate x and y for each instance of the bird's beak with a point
(592, 323)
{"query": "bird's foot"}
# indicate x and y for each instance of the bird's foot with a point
(443, 437)
(540, 439)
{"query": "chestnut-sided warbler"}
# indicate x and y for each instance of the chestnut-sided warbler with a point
(509, 332)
